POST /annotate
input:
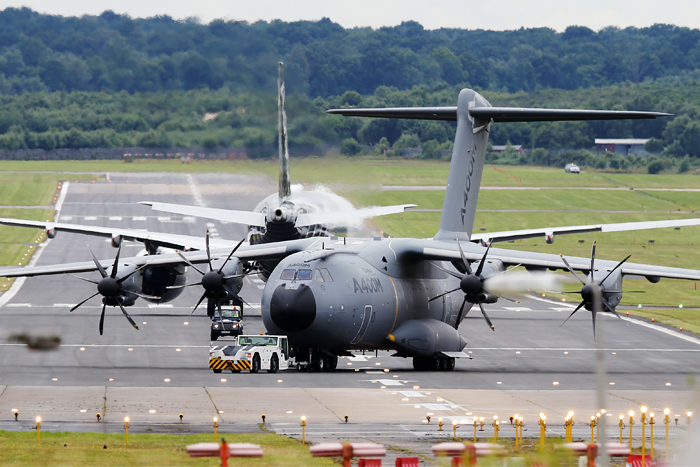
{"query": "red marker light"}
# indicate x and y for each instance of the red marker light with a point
(628, 313)
(653, 319)
(681, 328)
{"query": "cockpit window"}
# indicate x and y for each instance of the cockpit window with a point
(326, 275)
(287, 275)
(317, 275)
(304, 275)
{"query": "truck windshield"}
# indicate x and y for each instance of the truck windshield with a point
(230, 312)
(257, 340)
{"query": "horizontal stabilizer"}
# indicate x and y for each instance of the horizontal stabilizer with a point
(226, 215)
(497, 114)
(415, 113)
(345, 217)
(512, 114)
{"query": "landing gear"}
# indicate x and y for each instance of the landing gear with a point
(319, 360)
(433, 363)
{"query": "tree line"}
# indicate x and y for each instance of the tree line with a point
(111, 52)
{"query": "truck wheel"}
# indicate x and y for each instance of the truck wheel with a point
(274, 364)
(214, 336)
(217, 371)
(255, 367)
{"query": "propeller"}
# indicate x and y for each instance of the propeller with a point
(470, 283)
(110, 287)
(213, 280)
(588, 292)
(474, 285)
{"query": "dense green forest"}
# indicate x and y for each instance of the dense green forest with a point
(156, 84)
(113, 52)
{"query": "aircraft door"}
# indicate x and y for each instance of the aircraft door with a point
(366, 318)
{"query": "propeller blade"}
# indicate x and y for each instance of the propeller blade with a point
(573, 313)
(204, 295)
(486, 317)
(228, 290)
(84, 279)
(119, 281)
(509, 299)
(451, 273)
(593, 313)
(613, 269)
(127, 316)
(218, 307)
(571, 269)
(115, 266)
(170, 287)
(231, 254)
(448, 292)
(482, 262)
(102, 318)
(97, 263)
(179, 253)
(464, 258)
(208, 252)
(592, 259)
(459, 315)
(142, 295)
(91, 296)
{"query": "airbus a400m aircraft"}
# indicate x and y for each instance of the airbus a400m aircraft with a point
(331, 295)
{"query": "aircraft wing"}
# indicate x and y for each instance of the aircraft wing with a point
(226, 215)
(246, 252)
(549, 232)
(338, 217)
(443, 251)
(258, 219)
(178, 242)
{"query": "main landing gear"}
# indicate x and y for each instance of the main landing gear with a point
(318, 361)
(433, 363)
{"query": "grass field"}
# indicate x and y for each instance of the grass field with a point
(69, 449)
(34, 183)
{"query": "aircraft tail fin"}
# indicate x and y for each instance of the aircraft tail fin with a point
(474, 116)
(284, 180)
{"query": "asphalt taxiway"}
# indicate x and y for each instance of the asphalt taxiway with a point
(530, 364)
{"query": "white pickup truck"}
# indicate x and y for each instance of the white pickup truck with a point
(251, 352)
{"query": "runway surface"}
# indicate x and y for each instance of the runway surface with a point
(529, 362)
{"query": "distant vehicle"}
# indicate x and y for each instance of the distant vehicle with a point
(572, 168)
(252, 352)
(230, 323)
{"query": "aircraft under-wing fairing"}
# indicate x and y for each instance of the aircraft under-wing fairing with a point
(331, 295)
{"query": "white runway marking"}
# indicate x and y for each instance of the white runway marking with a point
(664, 330)
(115, 218)
(516, 308)
(19, 305)
(161, 305)
(584, 349)
(138, 218)
(90, 218)
(164, 219)
(412, 394)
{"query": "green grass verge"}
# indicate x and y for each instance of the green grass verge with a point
(372, 171)
(68, 449)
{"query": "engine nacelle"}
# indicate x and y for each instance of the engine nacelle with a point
(425, 338)
(116, 241)
(157, 279)
(549, 237)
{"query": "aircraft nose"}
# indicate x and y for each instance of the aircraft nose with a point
(293, 310)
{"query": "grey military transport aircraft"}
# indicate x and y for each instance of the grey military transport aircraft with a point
(331, 295)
